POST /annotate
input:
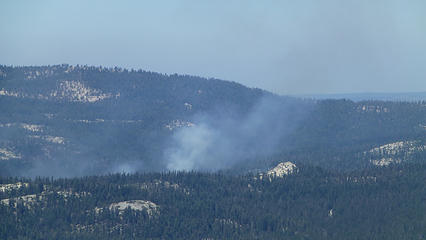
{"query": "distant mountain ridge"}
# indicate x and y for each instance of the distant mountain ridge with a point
(66, 120)
(397, 96)
(96, 116)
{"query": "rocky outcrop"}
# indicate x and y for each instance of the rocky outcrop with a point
(136, 205)
(282, 169)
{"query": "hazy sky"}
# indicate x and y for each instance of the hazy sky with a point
(288, 47)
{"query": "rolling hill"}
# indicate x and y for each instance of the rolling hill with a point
(69, 121)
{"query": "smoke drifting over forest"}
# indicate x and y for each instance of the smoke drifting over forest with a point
(155, 123)
(220, 141)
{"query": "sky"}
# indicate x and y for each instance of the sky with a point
(287, 47)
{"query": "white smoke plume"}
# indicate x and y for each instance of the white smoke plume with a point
(219, 141)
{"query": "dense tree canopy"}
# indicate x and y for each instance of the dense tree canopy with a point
(382, 203)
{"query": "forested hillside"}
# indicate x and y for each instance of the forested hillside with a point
(311, 203)
(68, 120)
(90, 120)
(127, 154)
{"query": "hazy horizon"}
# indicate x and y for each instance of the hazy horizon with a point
(291, 48)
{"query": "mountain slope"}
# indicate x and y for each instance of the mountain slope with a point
(78, 120)
(311, 203)
(62, 116)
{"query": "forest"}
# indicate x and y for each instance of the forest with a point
(84, 120)
(109, 153)
(312, 203)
